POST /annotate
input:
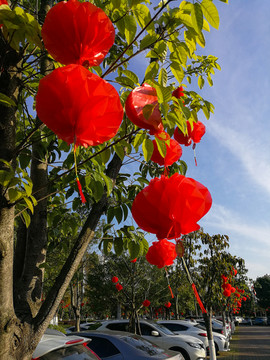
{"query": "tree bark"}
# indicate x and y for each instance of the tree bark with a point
(208, 324)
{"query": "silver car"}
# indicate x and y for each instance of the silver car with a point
(124, 346)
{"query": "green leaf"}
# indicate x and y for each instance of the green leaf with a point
(29, 204)
(125, 212)
(147, 41)
(5, 177)
(163, 77)
(97, 190)
(138, 140)
(118, 214)
(118, 245)
(105, 156)
(110, 214)
(130, 28)
(210, 12)
(6, 101)
(177, 71)
(119, 151)
(133, 249)
(107, 246)
(197, 17)
(26, 218)
(108, 182)
(145, 246)
(131, 75)
(200, 82)
(143, 17)
(148, 110)
(148, 149)
(151, 71)
(14, 195)
(161, 145)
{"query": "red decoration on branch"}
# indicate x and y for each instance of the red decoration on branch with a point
(80, 190)
(79, 106)
(77, 33)
(115, 279)
(169, 207)
(142, 109)
(178, 93)
(173, 153)
(226, 293)
(161, 253)
(167, 304)
(146, 303)
(133, 261)
(119, 287)
(194, 134)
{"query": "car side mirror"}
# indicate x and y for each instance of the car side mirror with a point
(154, 333)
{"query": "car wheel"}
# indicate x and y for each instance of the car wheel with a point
(182, 352)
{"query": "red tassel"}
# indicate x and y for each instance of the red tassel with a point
(80, 190)
(171, 291)
(195, 159)
(198, 298)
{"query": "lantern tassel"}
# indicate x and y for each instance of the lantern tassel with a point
(195, 159)
(169, 286)
(197, 296)
(83, 200)
(80, 190)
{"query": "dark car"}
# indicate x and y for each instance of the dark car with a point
(125, 346)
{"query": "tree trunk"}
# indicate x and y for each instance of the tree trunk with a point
(208, 323)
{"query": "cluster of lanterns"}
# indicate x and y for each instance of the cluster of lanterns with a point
(228, 290)
(77, 105)
(115, 281)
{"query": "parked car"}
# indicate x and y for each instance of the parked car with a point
(217, 327)
(84, 326)
(260, 320)
(124, 346)
(58, 346)
(197, 330)
(190, 347)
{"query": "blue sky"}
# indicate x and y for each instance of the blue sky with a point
(234, 155)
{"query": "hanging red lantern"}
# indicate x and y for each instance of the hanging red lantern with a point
(167, 304)
(173, 153)
(179, 92)
(161, 253)
(238, 295)
(232, 289)
(77, 33)
(226, 293)
(115, 279)
(169, 207)
(133, 261)
(194, 134)
(143, 110)
(146, 303)
(119, 287)
(228, 287)
(224, 278)
(79, 106)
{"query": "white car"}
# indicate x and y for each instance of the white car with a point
(189, 346)
(197, 330)
(54, 345)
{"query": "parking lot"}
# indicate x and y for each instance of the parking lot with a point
(249, 343)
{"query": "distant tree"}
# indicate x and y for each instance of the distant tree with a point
(262, 288)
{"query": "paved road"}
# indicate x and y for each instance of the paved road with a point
(252, 343)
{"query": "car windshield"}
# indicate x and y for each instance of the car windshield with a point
(77, 352)
(163, 329)
(199, 326)
(143, 345)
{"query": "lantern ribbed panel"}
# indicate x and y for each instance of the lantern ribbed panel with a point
(136, 101)
(169, 207)
(75, 33)
(79, 106)
(173, 153)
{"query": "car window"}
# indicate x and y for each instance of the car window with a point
(103, 347)
(163, 329)
(175, 327)
(77, 352)
(118, 326)
(146, 329)
(199, 326)
(143, 345)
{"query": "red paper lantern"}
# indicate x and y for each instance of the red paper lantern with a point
(226, 293)
(77, 33)
(79, 106)
(115, 279)
(232, 289)
(224, 278)
(161, 253)
(178, 93)
(143, 99)
(173, 153)
(133, 261)
(146, 303)
(228, 287)
(194, 134)
(167, 304)
(169, 207)
(119, 287)
(238, 295)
